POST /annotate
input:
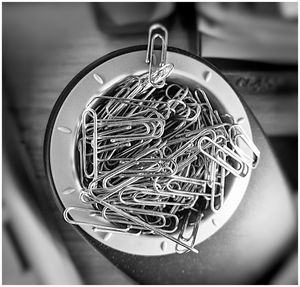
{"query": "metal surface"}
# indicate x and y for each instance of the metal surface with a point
(186, 71)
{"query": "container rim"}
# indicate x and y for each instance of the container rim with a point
(64, 94)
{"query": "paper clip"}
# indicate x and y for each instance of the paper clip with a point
(156, 31)
(241, 168)
(236, 132)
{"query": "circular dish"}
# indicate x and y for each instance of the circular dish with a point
(63, 127)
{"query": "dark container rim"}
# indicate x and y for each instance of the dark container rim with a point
(64, 94)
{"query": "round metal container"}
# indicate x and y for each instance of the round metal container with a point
(101, 75)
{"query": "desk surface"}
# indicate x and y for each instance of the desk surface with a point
(44, 47)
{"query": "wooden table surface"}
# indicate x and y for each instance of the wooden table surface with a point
(44, 46)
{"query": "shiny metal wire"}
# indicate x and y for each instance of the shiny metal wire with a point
(153, 157)
(149, 161)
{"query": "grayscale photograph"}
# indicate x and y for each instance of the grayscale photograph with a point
(149, 143)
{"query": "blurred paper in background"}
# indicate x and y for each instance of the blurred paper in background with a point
(258, 31)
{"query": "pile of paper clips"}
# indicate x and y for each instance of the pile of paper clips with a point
(155, 160)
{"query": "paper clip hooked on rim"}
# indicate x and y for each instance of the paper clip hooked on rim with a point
(157, 31)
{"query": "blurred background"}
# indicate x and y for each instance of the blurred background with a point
(45, 45)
